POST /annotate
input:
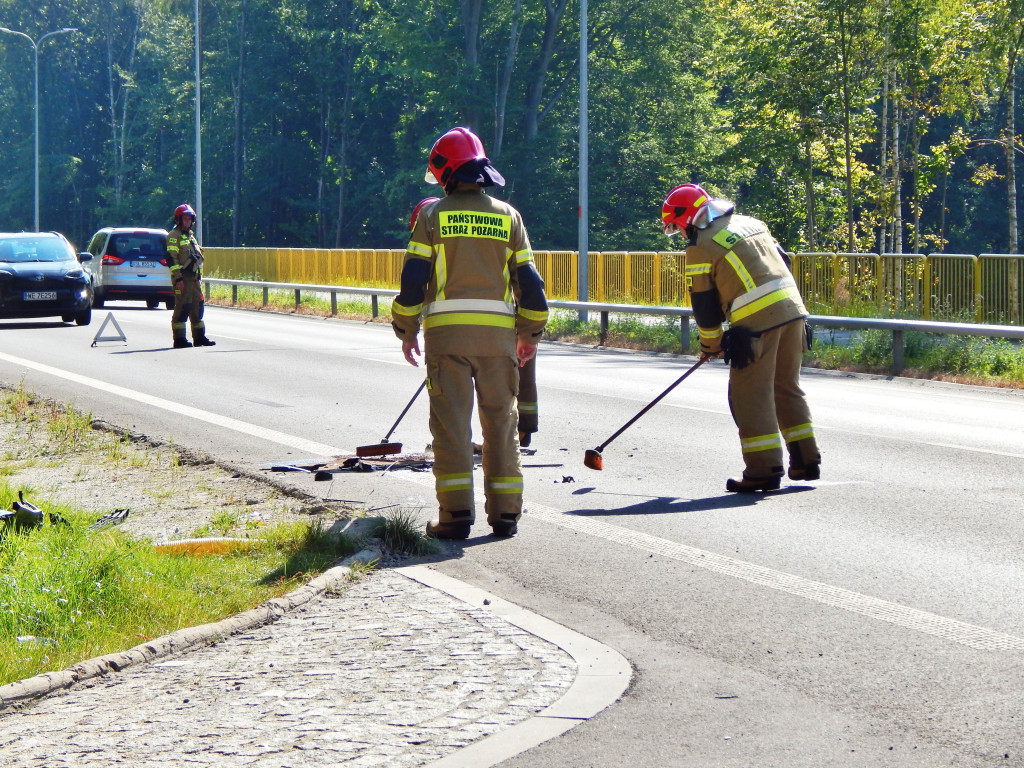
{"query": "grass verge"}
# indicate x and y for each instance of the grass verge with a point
(69, 594)
(959, 359)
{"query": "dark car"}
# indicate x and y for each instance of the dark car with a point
(41, 276)
(130, 264)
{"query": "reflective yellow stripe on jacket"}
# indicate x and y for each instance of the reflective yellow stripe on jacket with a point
(756, 299)
(488, 312)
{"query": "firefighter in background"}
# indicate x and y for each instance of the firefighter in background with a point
(526, 400)
(736, 272)
(469, 273)
(186, 262)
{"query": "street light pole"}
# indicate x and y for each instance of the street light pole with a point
(199, 145)
(583, 251)
(35, 107)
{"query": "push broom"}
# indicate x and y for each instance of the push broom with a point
(384, 448)
(592, 458)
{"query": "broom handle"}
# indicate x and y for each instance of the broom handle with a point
(653, 403)
(407, 407)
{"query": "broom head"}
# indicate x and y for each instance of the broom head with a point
(592, 459)
(378, 449)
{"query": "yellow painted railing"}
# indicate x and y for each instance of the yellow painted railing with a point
(984, 288)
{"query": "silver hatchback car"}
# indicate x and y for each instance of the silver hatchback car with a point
(130, 264)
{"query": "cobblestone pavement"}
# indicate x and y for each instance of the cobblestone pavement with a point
(389, 672)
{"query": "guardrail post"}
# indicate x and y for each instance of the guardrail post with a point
(334, 302)
(684, 334)
(234, 294)
(897, 352)
(604, 327)
(266, 295)
(373, 305)
(298, 298)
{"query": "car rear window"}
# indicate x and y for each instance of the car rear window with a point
(23, 249)
(137, 245)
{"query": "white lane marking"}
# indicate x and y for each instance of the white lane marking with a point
(929, 623)
(953, 630)
(290, 441)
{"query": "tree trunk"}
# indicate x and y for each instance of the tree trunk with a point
(471, 10)
(1010, 90)
(343, 131)
(897, 178)
(321, 181)
(942, 212)
(539, 71)
(809, 194)
(238, 92)
(883, 162)
(505, 79)
(915, 171)
(847, 141)
(118, 98)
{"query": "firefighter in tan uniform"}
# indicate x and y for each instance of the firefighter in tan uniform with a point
(526, 399)
(737, 273)
(186, 262)
(469, 274)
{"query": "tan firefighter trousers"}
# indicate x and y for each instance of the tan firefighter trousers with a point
(768, 405)
(451, 382)
(188, 305)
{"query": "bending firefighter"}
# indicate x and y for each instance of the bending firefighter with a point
(186, 261)
(469, 274)
(736, 272)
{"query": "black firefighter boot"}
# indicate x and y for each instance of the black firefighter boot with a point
(182, 343)
(506, 525)
(748, 484)
(801, 470)
(457, 528)
(202, 341)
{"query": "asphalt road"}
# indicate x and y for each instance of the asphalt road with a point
(873, 619)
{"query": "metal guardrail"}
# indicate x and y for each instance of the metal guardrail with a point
(985, 288)
(685, 314)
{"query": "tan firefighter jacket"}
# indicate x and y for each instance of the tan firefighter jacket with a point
(735, 273)
(469, 273)
(183, 253)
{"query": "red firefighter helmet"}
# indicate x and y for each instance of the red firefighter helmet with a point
(181, 210)
(419, 206)
(454, 150)
(681, 206)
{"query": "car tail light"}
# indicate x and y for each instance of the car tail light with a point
(111, 260)
(165, 261)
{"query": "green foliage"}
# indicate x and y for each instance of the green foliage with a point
(68, 594)
(657, 334)
(317, 116)
(400, 531)
(966, 357)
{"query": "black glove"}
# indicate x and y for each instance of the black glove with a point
(738, 346)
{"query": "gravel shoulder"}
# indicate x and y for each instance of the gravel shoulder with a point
(172, 492)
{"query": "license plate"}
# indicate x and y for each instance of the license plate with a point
(142, 264)
(40, 296)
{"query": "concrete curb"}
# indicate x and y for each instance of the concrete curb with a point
(602, 676)
(182, 639)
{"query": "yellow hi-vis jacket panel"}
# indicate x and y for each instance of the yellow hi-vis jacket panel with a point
(477, 296)
(183, 253)
(737, 258)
